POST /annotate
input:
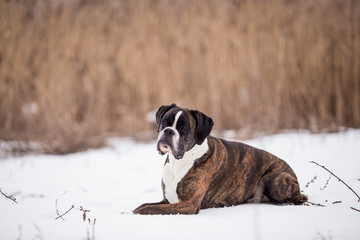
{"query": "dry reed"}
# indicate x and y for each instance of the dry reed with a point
(71, 72)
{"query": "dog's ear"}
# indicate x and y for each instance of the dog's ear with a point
(204, 125)
(161, 112)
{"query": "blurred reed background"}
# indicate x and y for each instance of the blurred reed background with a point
(72, 72)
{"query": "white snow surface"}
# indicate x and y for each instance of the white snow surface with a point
(112, 181)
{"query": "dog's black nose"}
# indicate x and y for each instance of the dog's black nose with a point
(169, 132)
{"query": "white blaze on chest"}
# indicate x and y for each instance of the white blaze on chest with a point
(175, 169)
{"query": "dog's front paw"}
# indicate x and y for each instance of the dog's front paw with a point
(137, 210)
(145, 209)
(139, 207)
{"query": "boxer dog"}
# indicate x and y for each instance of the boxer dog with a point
(202, 171)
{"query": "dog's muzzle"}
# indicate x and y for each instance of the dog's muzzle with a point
(164, 147)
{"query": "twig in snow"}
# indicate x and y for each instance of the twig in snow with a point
(315, 204)
(57, 211)
(39, 233)
(61, 216)
(72, 207)
(92, 228)
(84, 218)
(84, 212)
(322, 236)
(355, 209)
(11, 198)
(338, 179)
(312, 181)
(327, 182)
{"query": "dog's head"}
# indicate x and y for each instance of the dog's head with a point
(180, 129)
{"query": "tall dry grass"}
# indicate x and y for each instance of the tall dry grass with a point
(73, 71)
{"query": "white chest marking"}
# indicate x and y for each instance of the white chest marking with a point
(175, 169)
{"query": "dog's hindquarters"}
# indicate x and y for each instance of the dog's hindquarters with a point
(280, 184)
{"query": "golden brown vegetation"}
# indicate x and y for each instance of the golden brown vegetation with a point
(73, 71)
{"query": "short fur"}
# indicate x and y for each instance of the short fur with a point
(228, 174)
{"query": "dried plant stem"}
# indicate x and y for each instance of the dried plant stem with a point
(81, 209)
(327, 182)
(337, 178)
(65, 212)
(70, 103)
(93, 228)
(11, 198)
(57, 211)
(312, 181)
(355, 209)
(316, 204)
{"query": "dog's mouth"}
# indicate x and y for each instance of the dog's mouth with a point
(164, 147)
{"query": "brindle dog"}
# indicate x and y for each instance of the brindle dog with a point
(202, 171)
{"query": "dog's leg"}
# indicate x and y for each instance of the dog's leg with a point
(190, 205)
(283, 187)
(149, 204)
(184, 207)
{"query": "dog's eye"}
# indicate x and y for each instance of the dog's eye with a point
(183, 128)
(163, 122)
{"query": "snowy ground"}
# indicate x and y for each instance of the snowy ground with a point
(114, 180)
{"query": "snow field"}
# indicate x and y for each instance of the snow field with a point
(112, 181)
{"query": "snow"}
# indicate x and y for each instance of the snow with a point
(112, 181)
